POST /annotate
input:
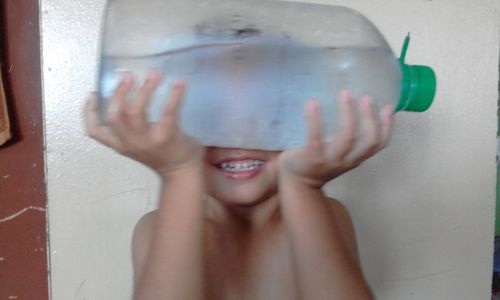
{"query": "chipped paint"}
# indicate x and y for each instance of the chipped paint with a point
(22, 211)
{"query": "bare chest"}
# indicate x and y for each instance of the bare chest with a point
(240, 268)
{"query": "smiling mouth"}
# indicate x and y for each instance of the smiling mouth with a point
(240, 166)
(241, 169)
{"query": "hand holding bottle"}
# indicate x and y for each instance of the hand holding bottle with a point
(162, 146)
(319, 162)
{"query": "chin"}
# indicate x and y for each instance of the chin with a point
(243, 196)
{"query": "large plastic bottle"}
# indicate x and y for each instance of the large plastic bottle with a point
(251, 65)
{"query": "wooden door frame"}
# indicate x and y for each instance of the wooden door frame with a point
(23, 236)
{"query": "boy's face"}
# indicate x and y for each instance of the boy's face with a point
(239, 176)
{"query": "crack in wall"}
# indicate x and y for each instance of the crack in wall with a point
(22, 211)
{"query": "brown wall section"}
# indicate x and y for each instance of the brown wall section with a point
(23, 238)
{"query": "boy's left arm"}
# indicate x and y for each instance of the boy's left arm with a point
(322, 239)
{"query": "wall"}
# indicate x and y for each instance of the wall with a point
(423, 209)
(23, 235)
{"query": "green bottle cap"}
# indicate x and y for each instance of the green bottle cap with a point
(418, 88)
(418, 85)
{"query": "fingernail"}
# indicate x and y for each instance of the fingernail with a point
(315, 105)
(346, 95)
(369, 101)
(178, 83)
(153, 75)
(388, 111)
(126, 78)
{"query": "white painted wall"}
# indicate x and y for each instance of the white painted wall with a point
(423, 209)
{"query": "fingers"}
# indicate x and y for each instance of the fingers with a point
(313, 119)
(371, 124)
(376, 131)
(350, 148)
(92, 122)
(387, 120)
(117, 105)
(90, 113)
(137, 109)
(346, 140)
(175, 97)
(125, 117)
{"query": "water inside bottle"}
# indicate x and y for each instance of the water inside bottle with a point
(251, 94)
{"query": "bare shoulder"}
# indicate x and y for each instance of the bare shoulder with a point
(339, 210)
(345, 226)
(145, 221)
(141, 240)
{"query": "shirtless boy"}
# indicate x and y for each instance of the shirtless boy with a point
(238, 223)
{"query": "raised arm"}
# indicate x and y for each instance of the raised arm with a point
(171, 266)
(167, 248)
(322, 239)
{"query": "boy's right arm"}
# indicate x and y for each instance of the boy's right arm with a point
(322, 240)
(169, 264)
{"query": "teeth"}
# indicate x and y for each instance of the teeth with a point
(241, 166)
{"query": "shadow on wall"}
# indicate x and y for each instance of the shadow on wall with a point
(496, 261)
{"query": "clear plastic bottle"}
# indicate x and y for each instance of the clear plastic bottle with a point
(251, 65)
